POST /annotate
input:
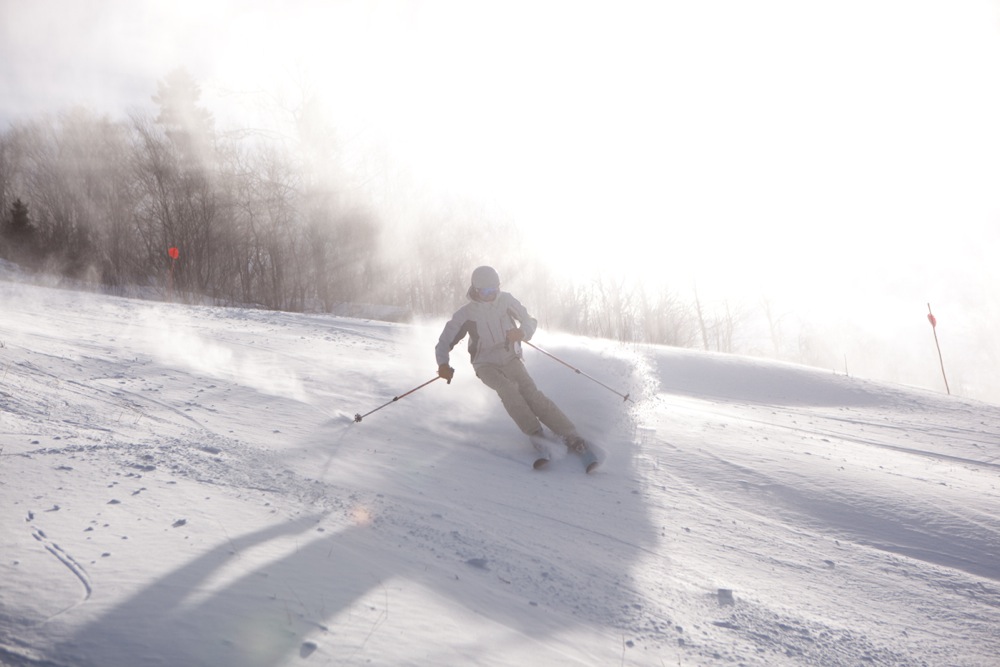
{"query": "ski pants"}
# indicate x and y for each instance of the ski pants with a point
(525, 404)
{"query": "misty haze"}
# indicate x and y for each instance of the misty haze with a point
(731, 181)
(231, 233)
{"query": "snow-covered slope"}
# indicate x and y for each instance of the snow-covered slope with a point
(187, 486)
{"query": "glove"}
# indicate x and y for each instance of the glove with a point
(515, 335)
(447, 372)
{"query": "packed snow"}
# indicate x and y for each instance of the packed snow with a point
(188, 486)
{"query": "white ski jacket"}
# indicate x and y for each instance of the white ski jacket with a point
(487, 324)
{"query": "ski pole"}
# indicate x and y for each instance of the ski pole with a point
(358, 417)
(578, 371)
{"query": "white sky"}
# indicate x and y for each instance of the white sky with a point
(843, 155)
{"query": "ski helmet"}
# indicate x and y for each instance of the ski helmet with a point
(485, 276)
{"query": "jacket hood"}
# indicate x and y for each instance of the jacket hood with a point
(485, 276)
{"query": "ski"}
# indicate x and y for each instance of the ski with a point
(590, 460)
(575, 445)
(541, 446)
(579, 446)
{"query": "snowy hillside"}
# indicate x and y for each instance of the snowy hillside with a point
(186, 486)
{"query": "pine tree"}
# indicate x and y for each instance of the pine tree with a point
(188, 125)
(19, 234)
(19, 231)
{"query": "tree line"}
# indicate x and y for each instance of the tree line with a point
(277, 223)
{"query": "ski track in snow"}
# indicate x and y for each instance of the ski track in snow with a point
(71, 564)
(198, 470)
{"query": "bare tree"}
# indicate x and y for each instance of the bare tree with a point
(7, 195)
(61, 177)
(155, 173)
(275, 221)
(666, 320)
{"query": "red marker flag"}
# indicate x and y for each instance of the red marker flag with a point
(933, 321)
(174, 254)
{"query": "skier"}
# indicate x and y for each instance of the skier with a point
(491, 320)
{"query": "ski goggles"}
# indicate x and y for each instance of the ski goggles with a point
(487, 292)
